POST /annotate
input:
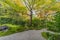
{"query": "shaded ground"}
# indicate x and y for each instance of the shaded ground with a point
(26, 35)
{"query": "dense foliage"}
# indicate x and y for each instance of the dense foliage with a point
(55, 24)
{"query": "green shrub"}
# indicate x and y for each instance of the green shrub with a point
(55, 24)
(11, 21)
(37, 24)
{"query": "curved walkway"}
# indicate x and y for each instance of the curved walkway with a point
(27, 35)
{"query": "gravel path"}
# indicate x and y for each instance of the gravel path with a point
(26, 35)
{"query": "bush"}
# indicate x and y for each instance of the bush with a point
(55, 24)
(11, 21)
(37, 24)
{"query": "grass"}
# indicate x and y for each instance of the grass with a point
(50, 36)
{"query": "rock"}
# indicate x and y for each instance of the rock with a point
(2, 28)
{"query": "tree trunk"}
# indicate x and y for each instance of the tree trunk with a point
(31, 17)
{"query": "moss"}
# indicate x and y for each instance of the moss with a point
(44, 34)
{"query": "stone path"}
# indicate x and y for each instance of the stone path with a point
(26, 35)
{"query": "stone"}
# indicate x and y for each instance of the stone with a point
(2, 28)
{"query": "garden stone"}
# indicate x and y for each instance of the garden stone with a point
(3, 28)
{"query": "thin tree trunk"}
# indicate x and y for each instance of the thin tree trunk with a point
(31, 17)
